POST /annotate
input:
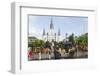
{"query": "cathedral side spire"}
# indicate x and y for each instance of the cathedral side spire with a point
(59, 32)
(43, 31)
(58, 35)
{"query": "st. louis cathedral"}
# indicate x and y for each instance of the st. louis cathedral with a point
(51, 35)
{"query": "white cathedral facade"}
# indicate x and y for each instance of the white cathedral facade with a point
(51, 35)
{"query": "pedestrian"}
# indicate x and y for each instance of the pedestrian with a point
(30, 54)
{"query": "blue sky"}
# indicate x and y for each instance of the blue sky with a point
(67, 24)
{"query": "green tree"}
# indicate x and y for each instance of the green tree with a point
(61, 44)
(82, 40)
(71, 38)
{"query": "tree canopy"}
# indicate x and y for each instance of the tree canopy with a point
(82, 40)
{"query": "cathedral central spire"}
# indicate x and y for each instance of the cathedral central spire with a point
(51, 25)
